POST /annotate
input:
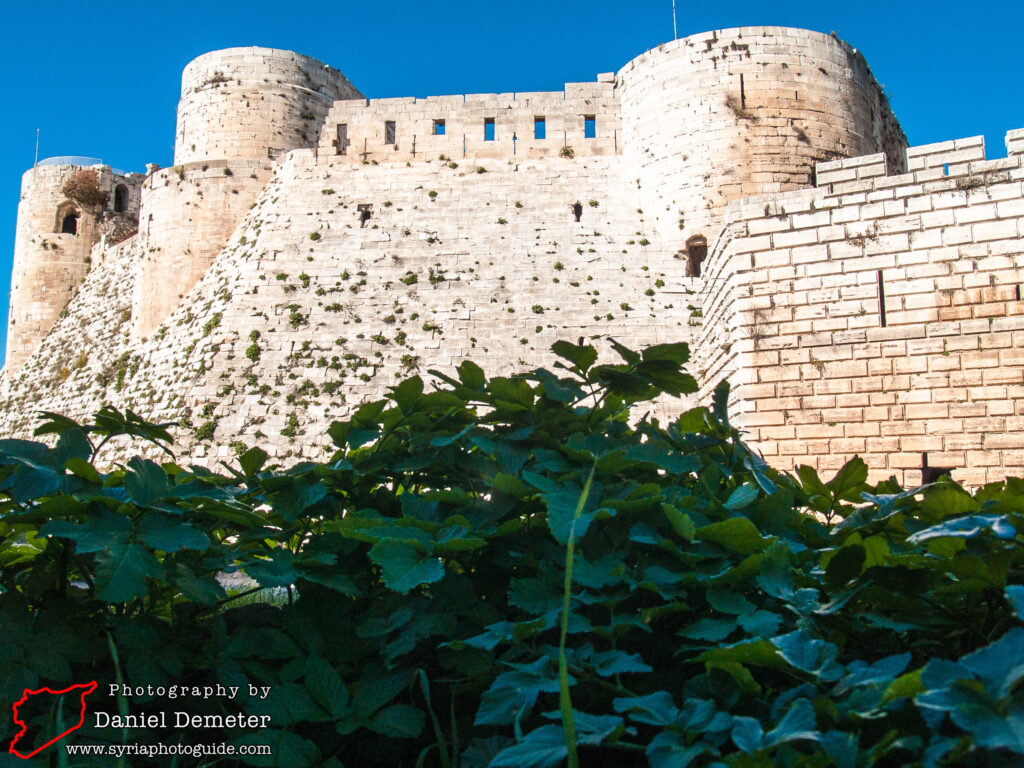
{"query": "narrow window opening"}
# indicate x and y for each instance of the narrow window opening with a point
(577, 210)
(589, 127)
(932, 474)
(881, 299)
(365, 213)
(341, 142)
(743, 94)
(389, 132)
(696, 252)
(120, 198)
(1018, 292)
(439, 128)
(945, 169)
(488, 129)
(69, 225)
(540, 130)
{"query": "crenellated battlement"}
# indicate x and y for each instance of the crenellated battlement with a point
(878, 315)
(924, 164)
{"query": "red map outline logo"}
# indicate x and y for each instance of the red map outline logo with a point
(86, 689)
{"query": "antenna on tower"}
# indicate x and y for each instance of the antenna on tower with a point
(36, 161)
(675, 32)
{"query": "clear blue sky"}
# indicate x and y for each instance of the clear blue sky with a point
(102, 79)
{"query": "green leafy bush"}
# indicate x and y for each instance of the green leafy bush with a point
(506, 572)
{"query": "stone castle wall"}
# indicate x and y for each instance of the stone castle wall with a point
(702, 121)
(464, 117)
(240, 110)
(879, 315)
(49, 265)
(717, 117)
(286, 332)
(273, 295)
(188, 212)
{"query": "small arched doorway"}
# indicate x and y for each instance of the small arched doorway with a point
(120, 198)
(67, 219)
(696, 252)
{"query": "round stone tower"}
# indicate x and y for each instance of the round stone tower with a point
(240, 109)
(68, 205)
(723, 115)
(254, 104)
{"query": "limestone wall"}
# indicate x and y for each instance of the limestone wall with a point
(724, 115)
(878, 314)
(702, 121)
(188, 212)
(253, 104)
(240, 109)
(77, 362)
(285, 332)
(463, 135)
(881, 315)
(49, 265)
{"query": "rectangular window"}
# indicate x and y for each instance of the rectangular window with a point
(342, 141)
(389, 132)
(540, 130)
(589, 126)
(439, 127)
(488, 129)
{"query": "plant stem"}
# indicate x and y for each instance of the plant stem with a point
(564, 697)
(122, 704)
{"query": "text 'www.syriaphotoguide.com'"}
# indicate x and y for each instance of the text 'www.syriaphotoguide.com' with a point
(157, 750)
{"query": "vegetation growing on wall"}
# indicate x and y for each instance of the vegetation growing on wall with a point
(83, 187)
(505, 572)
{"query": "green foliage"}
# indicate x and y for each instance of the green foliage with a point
(481, 569)
(212, 323)
(291, 427)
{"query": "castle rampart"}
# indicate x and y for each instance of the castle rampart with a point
(240, 110)
(700, 121)
(582, 120)
(188, 212)
(878, 313)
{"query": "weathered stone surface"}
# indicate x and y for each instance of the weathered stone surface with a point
(311, 247)
(49, 263)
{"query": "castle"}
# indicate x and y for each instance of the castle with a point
(747, 191)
